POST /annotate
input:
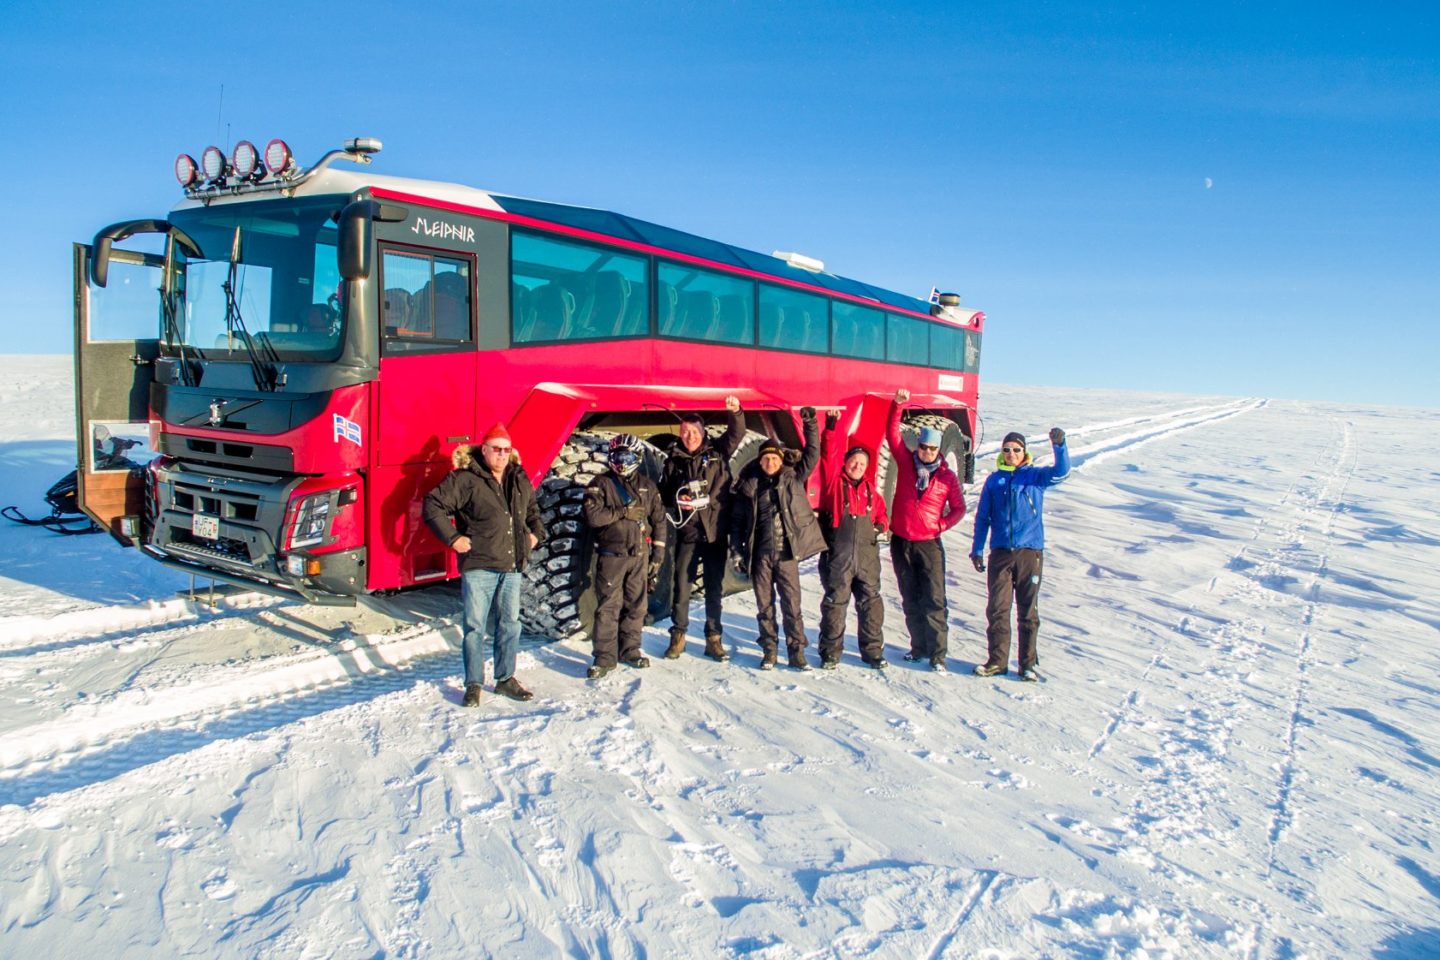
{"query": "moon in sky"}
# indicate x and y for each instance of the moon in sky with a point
(1209, 183)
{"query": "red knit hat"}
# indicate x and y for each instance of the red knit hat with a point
(497, 432)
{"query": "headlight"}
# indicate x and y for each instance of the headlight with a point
(311, 518)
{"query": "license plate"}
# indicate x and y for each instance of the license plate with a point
(207, 528)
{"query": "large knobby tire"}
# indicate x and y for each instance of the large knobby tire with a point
(558, 599)
(953, 449)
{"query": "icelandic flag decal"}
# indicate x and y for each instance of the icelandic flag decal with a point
(346, 430)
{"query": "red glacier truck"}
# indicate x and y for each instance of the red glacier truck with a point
(293, 372)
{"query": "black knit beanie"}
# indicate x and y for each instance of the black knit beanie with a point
(1013, 437)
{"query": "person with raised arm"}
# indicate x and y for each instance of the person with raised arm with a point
(1010, 513)
(928, 501)
(852, 517)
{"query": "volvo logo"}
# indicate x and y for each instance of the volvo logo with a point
(217, 412)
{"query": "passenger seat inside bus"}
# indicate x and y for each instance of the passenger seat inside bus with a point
(699, 314)
(452, 306)
(608, 305)
(397, 310)
(554, 306)
(730, 317)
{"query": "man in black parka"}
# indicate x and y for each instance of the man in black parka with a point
(698, 471)
(485, 510)
(623, 507)
(772, 529)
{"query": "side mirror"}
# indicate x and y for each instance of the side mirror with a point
(106, 239)
(356, 234)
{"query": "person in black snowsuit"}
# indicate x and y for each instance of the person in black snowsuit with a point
(852, 517)
(623, 508)
(698, 470)
(772, 529)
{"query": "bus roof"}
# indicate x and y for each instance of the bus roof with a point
(590, 219)
(634, 230)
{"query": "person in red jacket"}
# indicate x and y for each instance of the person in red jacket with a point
(852, 517)
(928, 501)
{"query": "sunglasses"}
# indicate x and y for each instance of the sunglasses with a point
(497, 449)
(1012, 449)
(929, 446)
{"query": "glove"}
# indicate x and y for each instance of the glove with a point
(635, 511)
(741, 565)
(1057, 436)
(807, 414)
(831, 420)
(652, 576)
(978, 562)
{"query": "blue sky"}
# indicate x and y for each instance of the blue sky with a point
(1049, 161)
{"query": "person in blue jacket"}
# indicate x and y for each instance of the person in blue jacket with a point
(1010, 514)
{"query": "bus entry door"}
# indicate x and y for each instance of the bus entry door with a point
(116, 345)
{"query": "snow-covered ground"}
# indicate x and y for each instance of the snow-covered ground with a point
(1234, 752)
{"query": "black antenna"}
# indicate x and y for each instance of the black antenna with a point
(219, 115)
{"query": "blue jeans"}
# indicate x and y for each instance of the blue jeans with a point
(483, 592)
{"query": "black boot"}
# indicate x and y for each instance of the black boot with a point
(472, 695)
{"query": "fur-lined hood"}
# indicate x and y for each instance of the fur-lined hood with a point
(468, 453)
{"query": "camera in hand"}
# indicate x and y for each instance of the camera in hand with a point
(692, 496)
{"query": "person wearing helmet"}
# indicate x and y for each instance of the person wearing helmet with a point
(623, 508)
(773, 528)
(1011, 515)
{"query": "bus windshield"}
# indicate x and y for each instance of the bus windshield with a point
(282, 291)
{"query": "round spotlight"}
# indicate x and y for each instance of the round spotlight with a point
(277, 156)
(186, 170)
(245, 159)
(212, 161)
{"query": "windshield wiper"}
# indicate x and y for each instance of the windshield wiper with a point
(265, 374)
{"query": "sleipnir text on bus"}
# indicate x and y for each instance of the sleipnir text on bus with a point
(443, 230)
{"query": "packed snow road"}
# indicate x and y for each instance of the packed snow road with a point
(1232, 754)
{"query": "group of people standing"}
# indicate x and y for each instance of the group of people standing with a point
(760, 522)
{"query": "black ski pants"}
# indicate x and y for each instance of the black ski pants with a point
(920, 572)
(771, 575)
(620, 602)
(846, 570)
(691, 557)
(1013, 573)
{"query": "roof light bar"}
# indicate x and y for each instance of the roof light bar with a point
(212, 161)
(186, 170)
(278, 158)
(245, 161)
